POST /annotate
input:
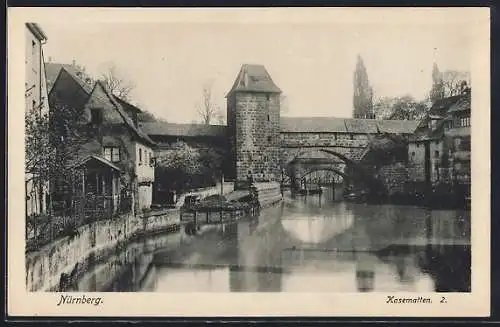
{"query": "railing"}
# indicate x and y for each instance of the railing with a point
(68, 215)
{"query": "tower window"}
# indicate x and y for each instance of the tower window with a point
(268, 117)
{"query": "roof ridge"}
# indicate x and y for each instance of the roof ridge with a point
(124, 116)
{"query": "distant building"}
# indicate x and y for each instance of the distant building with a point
(440, 149)
(35, 99)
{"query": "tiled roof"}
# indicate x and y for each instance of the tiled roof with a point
(461, 105)
(171, 129)
(441, 106)
(346, 125)
(254, 78)
(127, 105)
(128, 121)
(117, 103)
(88, 158)
(313, 124)
(397, 126)
(52, 71)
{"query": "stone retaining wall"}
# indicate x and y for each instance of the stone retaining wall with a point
(394, 177)
(72, 255)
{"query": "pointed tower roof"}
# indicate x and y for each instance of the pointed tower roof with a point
(254, 78)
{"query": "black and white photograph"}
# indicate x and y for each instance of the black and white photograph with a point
(328, 156)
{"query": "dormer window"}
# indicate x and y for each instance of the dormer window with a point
(112, 154)
(96, 116)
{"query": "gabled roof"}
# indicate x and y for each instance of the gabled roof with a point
(441, 106)
(254, 78)
(346, 125)
(117, 102)
(98, 159)
(127, 105)
(52, 71)
(37, 31)
(128, 121)
(171, 129)
(463, 104)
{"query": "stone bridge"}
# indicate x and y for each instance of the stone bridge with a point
(338, 145)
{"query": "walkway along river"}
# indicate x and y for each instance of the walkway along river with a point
(304, 244)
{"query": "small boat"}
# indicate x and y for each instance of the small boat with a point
(356, 196)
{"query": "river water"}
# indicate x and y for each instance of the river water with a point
(312, 244)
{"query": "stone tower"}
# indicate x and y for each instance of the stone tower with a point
(253, 119)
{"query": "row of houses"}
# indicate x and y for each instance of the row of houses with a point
(115, 157)
(115, 154)
(439, 152)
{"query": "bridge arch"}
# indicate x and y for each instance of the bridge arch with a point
(356, 171)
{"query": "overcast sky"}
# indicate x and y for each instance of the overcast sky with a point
(312, 63)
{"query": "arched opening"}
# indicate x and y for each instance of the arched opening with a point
(360, 178)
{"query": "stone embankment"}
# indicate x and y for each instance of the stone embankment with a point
(70, 257)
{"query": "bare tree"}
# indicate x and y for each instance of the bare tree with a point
(207, 110)
(453, 81)
(117, 85)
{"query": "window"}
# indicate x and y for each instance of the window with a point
(267, 97)
(140, 156)
(33, 104)
(268, 118)
(33, 47)
(418, 145)
(268, 139)
(96, 116)
(112, 153)
(465, 121)
(436, 142)
(436, 154)
(413, 154)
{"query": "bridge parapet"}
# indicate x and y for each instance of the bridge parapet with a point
(323, 140)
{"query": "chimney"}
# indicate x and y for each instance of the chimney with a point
(74, 63)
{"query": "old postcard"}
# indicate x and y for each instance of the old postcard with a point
(249, 162)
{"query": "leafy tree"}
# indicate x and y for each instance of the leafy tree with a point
(176, 166)
(400, 108)
(363, 92)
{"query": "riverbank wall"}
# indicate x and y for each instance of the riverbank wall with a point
(55, 265)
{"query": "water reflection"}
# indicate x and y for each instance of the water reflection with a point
(312, 244)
